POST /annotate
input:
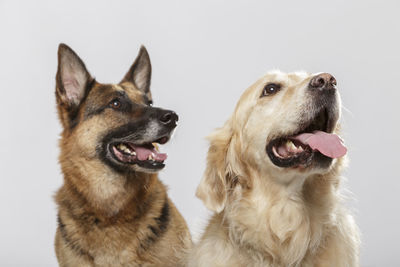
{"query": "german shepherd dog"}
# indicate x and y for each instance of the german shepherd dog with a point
(112, 208)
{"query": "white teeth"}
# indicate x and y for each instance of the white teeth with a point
(126, 149)
(122, 147)
(290, 146)
(151, 157)
(155, 146)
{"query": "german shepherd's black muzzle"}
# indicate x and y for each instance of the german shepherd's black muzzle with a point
(135, 142)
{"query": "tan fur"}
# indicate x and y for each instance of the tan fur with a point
(266, 215)
(94, 238)
(106, 217)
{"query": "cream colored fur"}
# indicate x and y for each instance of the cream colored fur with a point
(266, 215)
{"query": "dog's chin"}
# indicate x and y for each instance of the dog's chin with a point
(134, 156)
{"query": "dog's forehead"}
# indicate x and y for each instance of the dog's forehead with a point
(132, 92)
(299, 76)
(277, 76)
(102, 92)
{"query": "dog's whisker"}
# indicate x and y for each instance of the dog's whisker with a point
(348, 110)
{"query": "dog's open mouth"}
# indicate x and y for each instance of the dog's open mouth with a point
(145, 155)
(315, 141)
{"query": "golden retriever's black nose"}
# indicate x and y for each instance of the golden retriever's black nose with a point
(323, 81)
(169, 118)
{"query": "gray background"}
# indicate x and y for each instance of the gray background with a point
(204, 55)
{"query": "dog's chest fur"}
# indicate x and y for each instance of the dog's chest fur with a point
(279, 230)
(131, 237)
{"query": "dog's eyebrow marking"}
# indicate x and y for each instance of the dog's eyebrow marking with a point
(123, 97)
(275, 76)
(136, 94)
(119, 88)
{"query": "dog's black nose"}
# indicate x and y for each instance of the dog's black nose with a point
(169, 118)
(323, 81)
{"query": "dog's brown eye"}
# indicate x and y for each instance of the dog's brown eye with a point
(271, 89)
(115, 104)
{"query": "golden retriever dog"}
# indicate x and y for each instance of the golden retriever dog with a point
(273, 179)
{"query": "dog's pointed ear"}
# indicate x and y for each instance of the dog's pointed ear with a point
(213, 187)
(72, 77)
(140, 72)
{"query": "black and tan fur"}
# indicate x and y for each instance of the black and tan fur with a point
(111, 214)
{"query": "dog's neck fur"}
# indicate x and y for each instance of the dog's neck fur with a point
(106, 194)
(278, 219)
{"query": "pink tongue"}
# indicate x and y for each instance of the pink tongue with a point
(328, 144)
(144, 153)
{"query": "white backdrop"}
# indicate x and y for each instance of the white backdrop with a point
(204, 55)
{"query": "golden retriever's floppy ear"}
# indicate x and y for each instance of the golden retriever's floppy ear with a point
(212, 189)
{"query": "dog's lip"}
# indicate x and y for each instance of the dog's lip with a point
(323, 121)
(133, 160)
(155, 163)
(159, 140)
(296, 159)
